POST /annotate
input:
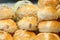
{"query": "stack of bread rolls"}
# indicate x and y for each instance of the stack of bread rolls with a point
(7, 24)
(27, 21)
(48, 15)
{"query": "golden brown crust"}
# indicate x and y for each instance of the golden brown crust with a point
(47, 36)
(47, 13)
(27, 10)
(55, 23)
(52, 3)
(24, 35)
(53, 37)
(6, 12)
(19, 4)
(5, 36)
(28, 23)
(40, 36)
(8, 25)
(49, 26)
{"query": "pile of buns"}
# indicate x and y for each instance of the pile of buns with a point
(27, 21)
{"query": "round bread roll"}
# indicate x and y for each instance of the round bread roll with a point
(26, 10)
(6, 12)
(19, 4)
(47, 36)
(49, 26)
(5, 36)
(8, 25)
(47, 13)
(28, 23)
(23, 35)
(43, 3)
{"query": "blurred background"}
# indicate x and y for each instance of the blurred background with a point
(12, 2)
(6, 1)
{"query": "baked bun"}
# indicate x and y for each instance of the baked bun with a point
(19, 4)
(28, 23)
(23, 35)
(43, 3)
(47, 36)
(47, 13)
(5, 36)
(49, 26)
(6, 12)
(8, 25)
(26, 10)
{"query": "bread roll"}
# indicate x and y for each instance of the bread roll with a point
(26, 10)
(49, 26)
(23, 35)
(19, 4)
(8, 25)
(28, 23)
(47, 13)
(47, 36)
(6, 12)
(5, 36)
(43, 3)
